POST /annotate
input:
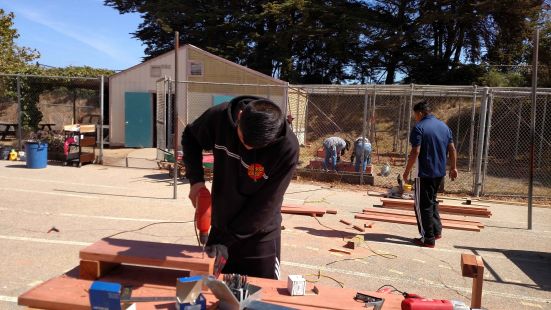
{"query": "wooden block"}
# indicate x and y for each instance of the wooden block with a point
(145, 253)
(340, 251)
(92, 270)
(358, 228)
(331, 211)
(345, 222)
(369, 225)
(350, 245)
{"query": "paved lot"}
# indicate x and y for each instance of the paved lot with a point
(88, 203)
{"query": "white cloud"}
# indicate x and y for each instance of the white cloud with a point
(92, 39)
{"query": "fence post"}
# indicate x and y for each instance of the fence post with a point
(489, 110)
(366, 99)
(533, 123)
(480, 144)
(409, 121)
(101, 102)
(471, 140)
(19, 116)
(305, 130)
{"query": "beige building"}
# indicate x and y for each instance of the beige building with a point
(205, 80)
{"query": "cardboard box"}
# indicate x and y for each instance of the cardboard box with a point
(105, 296)
(296, 285)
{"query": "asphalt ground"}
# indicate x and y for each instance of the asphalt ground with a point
(89, 203)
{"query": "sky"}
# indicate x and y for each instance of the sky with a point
(77, 33)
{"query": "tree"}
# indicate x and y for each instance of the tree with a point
(302, 41)
(13, 58)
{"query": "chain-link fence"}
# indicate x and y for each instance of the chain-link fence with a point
(34, 107)
(506, 164)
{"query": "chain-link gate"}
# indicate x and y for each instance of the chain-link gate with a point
(507, 163)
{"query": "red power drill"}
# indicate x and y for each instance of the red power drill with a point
(203, 204)
(416, 302)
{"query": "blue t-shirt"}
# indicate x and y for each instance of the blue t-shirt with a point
(433, 136)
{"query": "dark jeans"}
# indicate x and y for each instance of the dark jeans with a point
(426, 208)
(255, 258)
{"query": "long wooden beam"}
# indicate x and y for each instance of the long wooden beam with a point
(412, 221)
(403, 204)
(412, 214)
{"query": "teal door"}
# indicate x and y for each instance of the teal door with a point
(138, 116)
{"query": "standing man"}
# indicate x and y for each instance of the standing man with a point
(362, 152)
(332, 147)
(255, 155)
(431, 143)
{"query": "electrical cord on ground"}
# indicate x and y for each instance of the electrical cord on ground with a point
(362, 242)
(394, 289)
(175, 222)
(319, 276)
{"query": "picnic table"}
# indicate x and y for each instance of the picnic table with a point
(6, 130)
(10, 129)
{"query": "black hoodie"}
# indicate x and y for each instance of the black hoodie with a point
(248, 185)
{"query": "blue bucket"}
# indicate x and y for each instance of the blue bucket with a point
(37, 155)
(5, 152)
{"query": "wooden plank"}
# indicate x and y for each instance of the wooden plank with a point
(145, 253)
(303, 210)
(92, 270)
(412, 214)
(413, 221)
(412, 217)
(442, 208)
(69, 292)
(472, 266)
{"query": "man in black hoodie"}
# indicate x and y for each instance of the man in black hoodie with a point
(255, 155)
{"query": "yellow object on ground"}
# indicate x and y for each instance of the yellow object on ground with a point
(13, 155)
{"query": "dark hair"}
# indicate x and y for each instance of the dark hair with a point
(261, 123)
(422, 106)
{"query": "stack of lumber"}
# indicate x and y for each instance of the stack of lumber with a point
(408, 218)
(403, 204)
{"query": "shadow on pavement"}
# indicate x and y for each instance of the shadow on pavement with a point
(534, 264)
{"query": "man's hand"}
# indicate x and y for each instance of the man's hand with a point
(453, 174)
(220, 254)
(405, 176)
(194, 190)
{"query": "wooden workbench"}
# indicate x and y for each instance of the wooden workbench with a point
(68, 291)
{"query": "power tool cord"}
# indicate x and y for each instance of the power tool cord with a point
(133, 230)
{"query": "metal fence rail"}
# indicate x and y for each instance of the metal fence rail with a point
(491, 126)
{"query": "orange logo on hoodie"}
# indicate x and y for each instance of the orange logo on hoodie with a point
(255, 171)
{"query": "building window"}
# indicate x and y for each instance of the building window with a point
(195, 68)
(155, 71)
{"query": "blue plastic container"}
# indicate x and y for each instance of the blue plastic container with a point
(37, 155)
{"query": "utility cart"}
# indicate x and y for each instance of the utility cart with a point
(77, 137)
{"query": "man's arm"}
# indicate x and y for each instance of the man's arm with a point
(197, 136)
(411, 161)
(452, 153)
